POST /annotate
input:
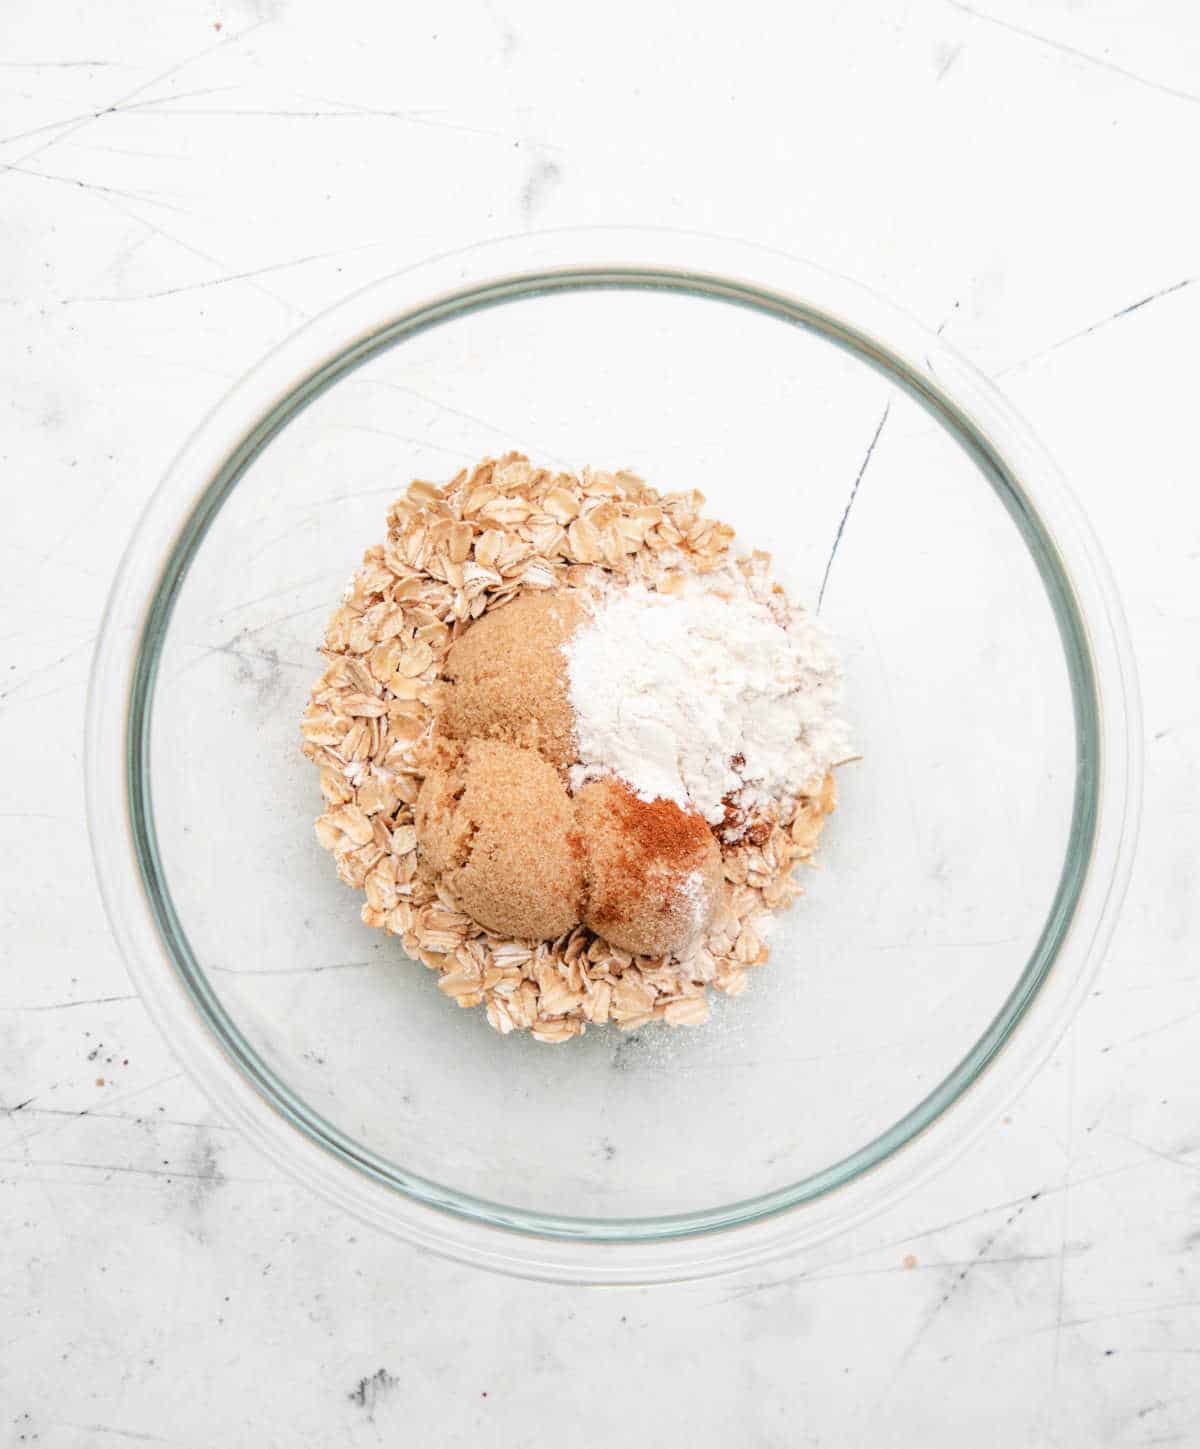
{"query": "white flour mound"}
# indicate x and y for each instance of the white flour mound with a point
(719, 690)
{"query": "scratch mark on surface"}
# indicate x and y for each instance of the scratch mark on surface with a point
(416, 117)
(63, 65)
(1152, 1031)
(79, 122)
(245, 112)
(152, 1120)
(320, 578)
(947, 945)
(389, 491)
(284, 618)
(1169, 1306)
(947, 1224)
(67, 1005)
(51, 1133)
(1064, 1229)
(83, 117)
(47, 668)
(1164, 983)
(325, 110)
(224, 280)
(823, 1276)
(952, 1288)
(749, 1290)
(964, 1273)
(508, 434)
(291, 970)
(405, 438)
(93, 186)
(841, 528)
(1096, 326)
(28, 699)
(165, 1172)
(26, 1161)
(269, 657)
(123, 1433)
(1176, 1159)
(1082, 55)
(279, 538)
(968, 1265)
(267, 682)
(948, 318)
(139, 154)
(204, 256)
(951, 56)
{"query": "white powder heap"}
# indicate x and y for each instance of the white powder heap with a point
(718, 690)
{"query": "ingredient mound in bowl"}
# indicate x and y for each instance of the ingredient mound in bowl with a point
(571, 748)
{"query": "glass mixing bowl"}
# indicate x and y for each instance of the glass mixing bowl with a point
(968, 881)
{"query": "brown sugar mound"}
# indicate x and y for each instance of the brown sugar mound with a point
(497, 826)
(508, 676)
(654, 873)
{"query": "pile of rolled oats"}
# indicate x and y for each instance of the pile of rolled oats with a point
(453, 553)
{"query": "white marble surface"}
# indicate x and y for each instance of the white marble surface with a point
(181, 185)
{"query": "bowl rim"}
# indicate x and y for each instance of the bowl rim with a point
(1097, 654)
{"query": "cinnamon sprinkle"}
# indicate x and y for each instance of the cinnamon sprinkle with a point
(660, 829)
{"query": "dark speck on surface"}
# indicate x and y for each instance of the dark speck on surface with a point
(260, 671)
(543, 177)
(627, 1051)
(369, 1390)
(204, 1179)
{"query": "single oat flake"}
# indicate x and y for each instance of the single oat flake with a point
(452, 554)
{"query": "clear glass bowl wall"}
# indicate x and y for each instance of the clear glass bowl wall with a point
(972, 861)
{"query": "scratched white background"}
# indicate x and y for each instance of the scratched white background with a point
(181, 183)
